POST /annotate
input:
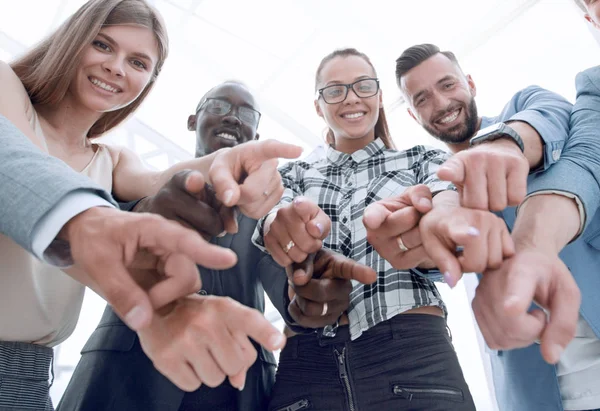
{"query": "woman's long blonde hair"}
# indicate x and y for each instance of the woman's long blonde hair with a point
(47, 70)
(381, 127)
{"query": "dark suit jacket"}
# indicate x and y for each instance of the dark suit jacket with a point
(114, 373)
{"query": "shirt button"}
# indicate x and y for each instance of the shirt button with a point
(345, 220)
(202, 292)
(555, 155)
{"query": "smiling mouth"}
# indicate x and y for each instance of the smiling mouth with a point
(354, 115)
(103, 85)
(450, 118)
(227, 136)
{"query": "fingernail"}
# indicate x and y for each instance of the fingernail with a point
(424, 202)
(228, 196)
(472, 231)
(242, 387)
(223, 234)
(449, 279)
(556, 351)
(320, 228)
(276, 341)
(297, 201)
(136, 318)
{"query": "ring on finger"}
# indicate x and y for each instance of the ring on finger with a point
(288, 247)
(325, 308)
(401, 244)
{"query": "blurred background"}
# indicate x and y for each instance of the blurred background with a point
(275, 46)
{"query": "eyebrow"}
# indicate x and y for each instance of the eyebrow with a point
(332, 82)
(136, 53)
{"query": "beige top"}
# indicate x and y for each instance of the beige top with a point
(39, 303)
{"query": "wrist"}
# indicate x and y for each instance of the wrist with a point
(142, 206)
(72, 226)
(505, 144)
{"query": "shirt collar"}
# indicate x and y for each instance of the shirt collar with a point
(373, 148)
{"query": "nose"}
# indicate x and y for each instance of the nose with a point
(232, 117)
(114, 66)
(352, 97)
(442, 102)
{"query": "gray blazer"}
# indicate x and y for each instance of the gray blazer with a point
(115, 374)
(32, 183)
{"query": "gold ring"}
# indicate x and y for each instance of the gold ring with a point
(403, 247)
(289, 246)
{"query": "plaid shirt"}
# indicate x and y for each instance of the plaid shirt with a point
(343, 185)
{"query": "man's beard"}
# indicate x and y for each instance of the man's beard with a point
(461, 132)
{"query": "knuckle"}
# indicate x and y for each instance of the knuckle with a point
(214, 379)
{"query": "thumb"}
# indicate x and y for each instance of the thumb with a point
(129, 300)
(374, 215)
(521, 283)
(420, 198)
(301, 273)
(452, 170)
(194, 182)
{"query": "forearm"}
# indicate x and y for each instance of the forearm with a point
(532, 141)
(547, 222)
(201, 164)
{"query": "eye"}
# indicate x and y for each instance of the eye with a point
(420, 101)
(334, 92)
(448, 86)
(101, 45)
(139, 64)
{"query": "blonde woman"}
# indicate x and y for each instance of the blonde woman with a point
(76, 85)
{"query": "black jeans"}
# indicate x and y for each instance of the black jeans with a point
(406, 363)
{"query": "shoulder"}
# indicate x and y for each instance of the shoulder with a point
(13, 89)
(535, 91)
(588, 80)
(298, 166)
(120, 154)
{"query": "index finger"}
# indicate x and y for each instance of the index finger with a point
(161, 237)
(348, 269)
(252, 323)
(564, 314)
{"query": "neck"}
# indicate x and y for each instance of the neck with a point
(350, 145)
(69, 122)
(458, 147)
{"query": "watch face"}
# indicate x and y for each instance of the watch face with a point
(490, 129)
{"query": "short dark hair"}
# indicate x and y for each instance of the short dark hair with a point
(415, 55)
(235, 82)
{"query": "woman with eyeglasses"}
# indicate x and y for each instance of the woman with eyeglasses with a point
(391, 350)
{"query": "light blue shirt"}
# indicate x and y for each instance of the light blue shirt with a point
(522, 379)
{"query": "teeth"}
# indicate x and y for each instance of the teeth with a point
(103, 85)
(353, 115)
(227, 136)
(450, 118)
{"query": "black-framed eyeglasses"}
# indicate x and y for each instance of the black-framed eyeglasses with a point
(220, 107)
(336, 93)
